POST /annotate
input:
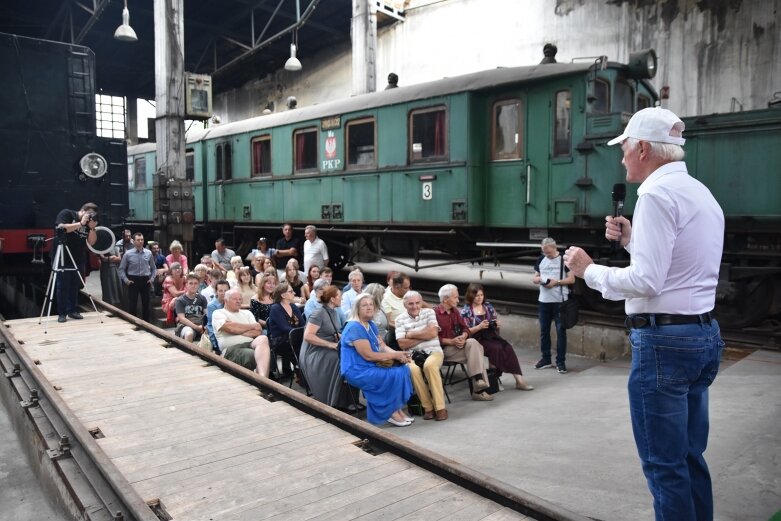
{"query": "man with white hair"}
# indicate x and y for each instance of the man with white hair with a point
(417, 330)
(455, 341)
(240, 336)
(675, 241)
(315, 250)
(356, 286)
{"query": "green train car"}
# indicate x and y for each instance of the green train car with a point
(509, 155)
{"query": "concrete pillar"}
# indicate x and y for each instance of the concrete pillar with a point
(132, 121)
(364, 37)
(173, 197)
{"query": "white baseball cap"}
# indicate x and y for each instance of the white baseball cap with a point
(653, 124)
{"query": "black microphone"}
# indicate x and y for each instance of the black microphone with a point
(619, 193)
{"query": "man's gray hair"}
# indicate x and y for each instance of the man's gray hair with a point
(311, 227)
(231, 292)
(548, 241)
(319, 284)
(355, 273)
(444, 291)
(661, 151)
(410, 294)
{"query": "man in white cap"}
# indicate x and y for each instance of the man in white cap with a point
(675, 242)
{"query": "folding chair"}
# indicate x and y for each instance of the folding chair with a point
(450, 375)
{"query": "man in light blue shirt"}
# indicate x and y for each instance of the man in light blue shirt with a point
(137, 270)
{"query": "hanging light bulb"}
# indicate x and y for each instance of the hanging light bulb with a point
(124, 32)
(293, 63)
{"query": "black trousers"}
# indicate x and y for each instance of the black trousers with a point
(139, 287)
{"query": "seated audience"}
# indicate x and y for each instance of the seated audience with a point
(239, 335)
(262, 249)
(201, 271)
(173, 286)
(367, 363)
(207, 261)
(455, 341)
(190, 310)
(313, 304)
(260, 304)
(328, 275)
(417, 330)
(209, 341)
(319, 358)
(222, 255)
(232, 274)
(212, 277)
(312, 275)
(380, 319)
(175, 255)
(283, 317)
(356, 287)
(256, 268)
(246, 286)
(392, 303)
(483, 322)
(294, 279)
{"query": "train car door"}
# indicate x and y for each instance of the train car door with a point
(506, 173)
(549, 158)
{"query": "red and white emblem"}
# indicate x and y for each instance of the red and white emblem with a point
(330, 146)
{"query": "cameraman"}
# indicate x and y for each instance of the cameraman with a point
(72, 228)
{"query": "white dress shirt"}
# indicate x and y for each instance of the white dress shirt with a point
(676, 246)
(315, 252)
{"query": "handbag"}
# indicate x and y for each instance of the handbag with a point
(568, 309)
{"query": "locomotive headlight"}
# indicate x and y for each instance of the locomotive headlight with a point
(642, 64)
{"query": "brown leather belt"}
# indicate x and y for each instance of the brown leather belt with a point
(642, 320)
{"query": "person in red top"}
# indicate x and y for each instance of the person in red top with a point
(455, 341)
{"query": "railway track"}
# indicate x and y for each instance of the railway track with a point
(73, 396)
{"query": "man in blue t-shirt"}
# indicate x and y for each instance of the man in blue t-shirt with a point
(553, 278)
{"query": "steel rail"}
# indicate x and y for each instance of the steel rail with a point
(475, 481)
(106, 483)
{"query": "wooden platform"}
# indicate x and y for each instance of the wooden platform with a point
(210, 448)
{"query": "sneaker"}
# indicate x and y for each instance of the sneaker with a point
(543, 364)
(62, 318)
(561, 368)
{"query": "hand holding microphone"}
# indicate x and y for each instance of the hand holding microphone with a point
(618, 229)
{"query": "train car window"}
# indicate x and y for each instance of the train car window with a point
(562, 128)
(623, 98)
(305, 150)
(227, 174)
(189, 164)
(507, 125)
(139, 165)
(261, 156)
(361, 143)
(218, 172)
(601, 96)
(428, 135)
(643, 102)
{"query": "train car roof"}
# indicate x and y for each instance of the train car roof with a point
(467, 82)
(141, 148)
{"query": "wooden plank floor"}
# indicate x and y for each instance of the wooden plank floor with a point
(210, 448)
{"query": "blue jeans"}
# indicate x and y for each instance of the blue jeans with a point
(549, 312)
(672, 367)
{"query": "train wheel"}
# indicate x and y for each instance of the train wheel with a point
(743, 303)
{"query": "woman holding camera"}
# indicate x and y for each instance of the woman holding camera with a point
(483, 324)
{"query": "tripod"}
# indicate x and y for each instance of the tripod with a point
(58, 267)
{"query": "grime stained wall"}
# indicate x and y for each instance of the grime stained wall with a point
(710, 51)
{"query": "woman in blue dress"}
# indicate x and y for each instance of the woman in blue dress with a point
(387, 389)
